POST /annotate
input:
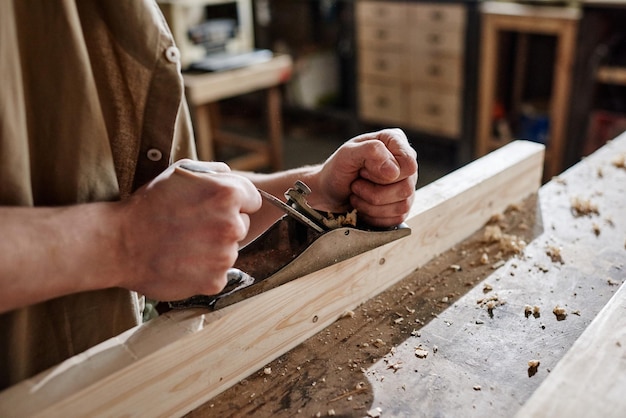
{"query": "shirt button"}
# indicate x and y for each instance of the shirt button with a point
(154, 154)
(172, 54)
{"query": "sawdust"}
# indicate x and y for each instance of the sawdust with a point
(583, 207)
(560, 313)
(554, 253)
(336, 221)
(533, 367)
(619, 161)
(326, 371)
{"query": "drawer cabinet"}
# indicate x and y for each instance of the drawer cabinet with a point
(410, 65)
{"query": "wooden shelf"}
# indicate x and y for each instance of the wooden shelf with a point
(612, 75)
(560, 22)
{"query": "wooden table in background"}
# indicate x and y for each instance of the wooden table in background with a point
(205, 90)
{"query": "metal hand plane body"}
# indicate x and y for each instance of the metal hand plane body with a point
(303, 241)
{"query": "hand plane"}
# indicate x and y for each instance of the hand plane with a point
(303, 241)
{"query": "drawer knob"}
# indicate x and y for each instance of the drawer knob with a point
(433, 110)
(381, 34)
(434, 70)
(381, 65)
(436, 15)
(434, 38)
(382, 102)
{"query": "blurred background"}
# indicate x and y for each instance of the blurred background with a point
(462, 78)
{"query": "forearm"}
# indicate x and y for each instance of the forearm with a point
(49, 252)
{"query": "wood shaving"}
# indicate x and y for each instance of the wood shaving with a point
(596, 229)
(491, 303)
(421, 352)
(533, 366)
(375, 413)
(555, 254)
(532, 310)
(536, 311)
(583, 207)
(395, 366)
(528, 310)
(347, 314)
(493, 233)
(496, 219)
(509, 244)
(378, 343)
(560, 313)
(619, 161)
(336, 221)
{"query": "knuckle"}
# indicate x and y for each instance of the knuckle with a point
(230, 231)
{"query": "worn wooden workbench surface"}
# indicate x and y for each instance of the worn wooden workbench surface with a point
(454, 338)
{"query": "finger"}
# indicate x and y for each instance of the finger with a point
(203, 166)
(379, 195)
(396, 159)
(398, 145)
(370, 159)
(380, 216)
(231, 191)
(391, 208)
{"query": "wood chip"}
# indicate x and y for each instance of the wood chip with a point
(619, 161)
(554, 253)
(583, 207)
(420, 352)
(533, 366)
(560, 313)
(375, 413)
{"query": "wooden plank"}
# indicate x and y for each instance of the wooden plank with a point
(612, 75)
(593, 369)
(180, 360)
(480, 365)
(590, 380)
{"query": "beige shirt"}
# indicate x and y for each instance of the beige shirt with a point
(91, 108)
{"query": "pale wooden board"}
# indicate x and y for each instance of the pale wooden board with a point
(480, 366)
(591, 379)
(180, 360)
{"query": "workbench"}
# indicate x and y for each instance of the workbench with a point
(424, 326)
(474, 360)
(205, 90)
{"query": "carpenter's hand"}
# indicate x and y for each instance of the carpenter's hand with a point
(182, 230)
(375, 173)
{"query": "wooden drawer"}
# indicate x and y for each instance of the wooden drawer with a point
(436, 112)
(439, 15)
(384, 64)
(388, 38)
(383, 103)
(436, 41)
(438, 71)
(381, 13)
